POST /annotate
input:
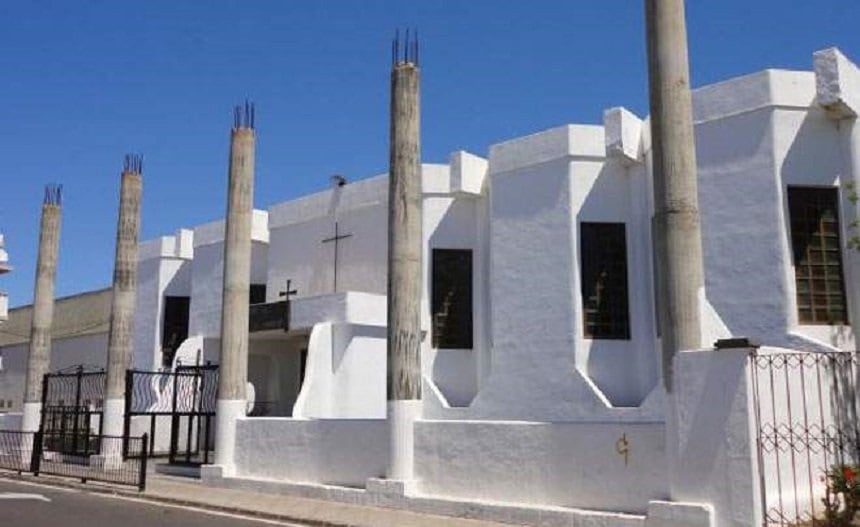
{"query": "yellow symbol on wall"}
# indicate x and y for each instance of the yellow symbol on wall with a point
(622, 446)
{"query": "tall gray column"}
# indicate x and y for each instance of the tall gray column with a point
(43, 307)
(404, 259)
(678, 238)
(233, 364)
(121, 335)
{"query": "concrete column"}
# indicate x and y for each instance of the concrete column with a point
(678, 238)
(233, 364)
(404, 261)
(121, 335)
(43, 308)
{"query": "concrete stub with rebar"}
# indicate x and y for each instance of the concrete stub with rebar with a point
(233, 363)
(39, 357)
(121, 333)
(404, 260)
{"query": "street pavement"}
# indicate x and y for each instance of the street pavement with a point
(28, 505)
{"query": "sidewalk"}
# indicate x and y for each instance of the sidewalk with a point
(189, 492)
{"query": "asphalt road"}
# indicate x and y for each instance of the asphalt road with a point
(25, 505)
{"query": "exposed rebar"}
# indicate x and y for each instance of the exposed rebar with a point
(133, 163)
(244, 116)
(53, 194)
(408, 52)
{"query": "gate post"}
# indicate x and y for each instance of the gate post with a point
(141, 482)
(36, 453)
(45, 385)
(126, 419)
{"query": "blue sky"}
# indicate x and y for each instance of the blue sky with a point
(85, 82)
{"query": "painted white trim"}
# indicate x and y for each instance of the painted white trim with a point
(401, 418)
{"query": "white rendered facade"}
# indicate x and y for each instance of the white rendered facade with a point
(531, 415)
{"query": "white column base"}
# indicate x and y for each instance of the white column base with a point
(227, 413)
(113, 427)
(32, 417)
(401, 418)
(114, 413)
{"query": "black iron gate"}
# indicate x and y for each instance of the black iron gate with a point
(807, 432)
(72, 404)
(178, 408)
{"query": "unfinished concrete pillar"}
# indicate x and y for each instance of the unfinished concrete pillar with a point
(121, 334)
(404, 260)
(43, 308)
(233, 364)
(678, 238)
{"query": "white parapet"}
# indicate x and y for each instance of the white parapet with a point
(623, 135)
(4, 306)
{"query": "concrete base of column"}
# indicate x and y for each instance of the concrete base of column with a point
(401, 418)
(32, 417)
(114, 414)
(227, 413)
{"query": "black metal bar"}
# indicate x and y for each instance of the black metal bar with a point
(44, 401)
(152, 424)
(126, 418)
(141, 486)
(36, 459)
(174, 422)
(77, 409)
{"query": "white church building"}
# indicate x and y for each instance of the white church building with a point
(542, 396)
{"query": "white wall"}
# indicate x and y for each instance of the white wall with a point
(548, 464)
(164, 268)
(345, 374)
(90, 350)
(207, 271)
(334, 452)
(756, 135)
(541, 186)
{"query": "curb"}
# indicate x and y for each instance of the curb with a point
(50, 481)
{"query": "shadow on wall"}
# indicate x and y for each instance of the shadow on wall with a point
(624, 370)
(815, 159)
(455, 371)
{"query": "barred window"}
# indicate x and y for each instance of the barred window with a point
(816, 247)
(603, 249)
(452, 298)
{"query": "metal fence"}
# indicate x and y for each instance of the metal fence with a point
(806, 408)
(72, 403)
(177, 407)
(16, 450)
(101, 460)
(104, 460)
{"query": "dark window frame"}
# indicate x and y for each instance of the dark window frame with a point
(604, 267)
(461, 334)
(257, 294)
(817, 259)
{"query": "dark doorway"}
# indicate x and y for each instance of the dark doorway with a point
(174, 329)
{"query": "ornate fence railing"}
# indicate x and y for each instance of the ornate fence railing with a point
(805, 409)
(177, 408)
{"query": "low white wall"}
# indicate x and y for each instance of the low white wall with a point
(335, 452)
(545, 464)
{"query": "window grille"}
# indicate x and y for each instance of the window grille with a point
(816, 248)
(452, 298)
(605, 310)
